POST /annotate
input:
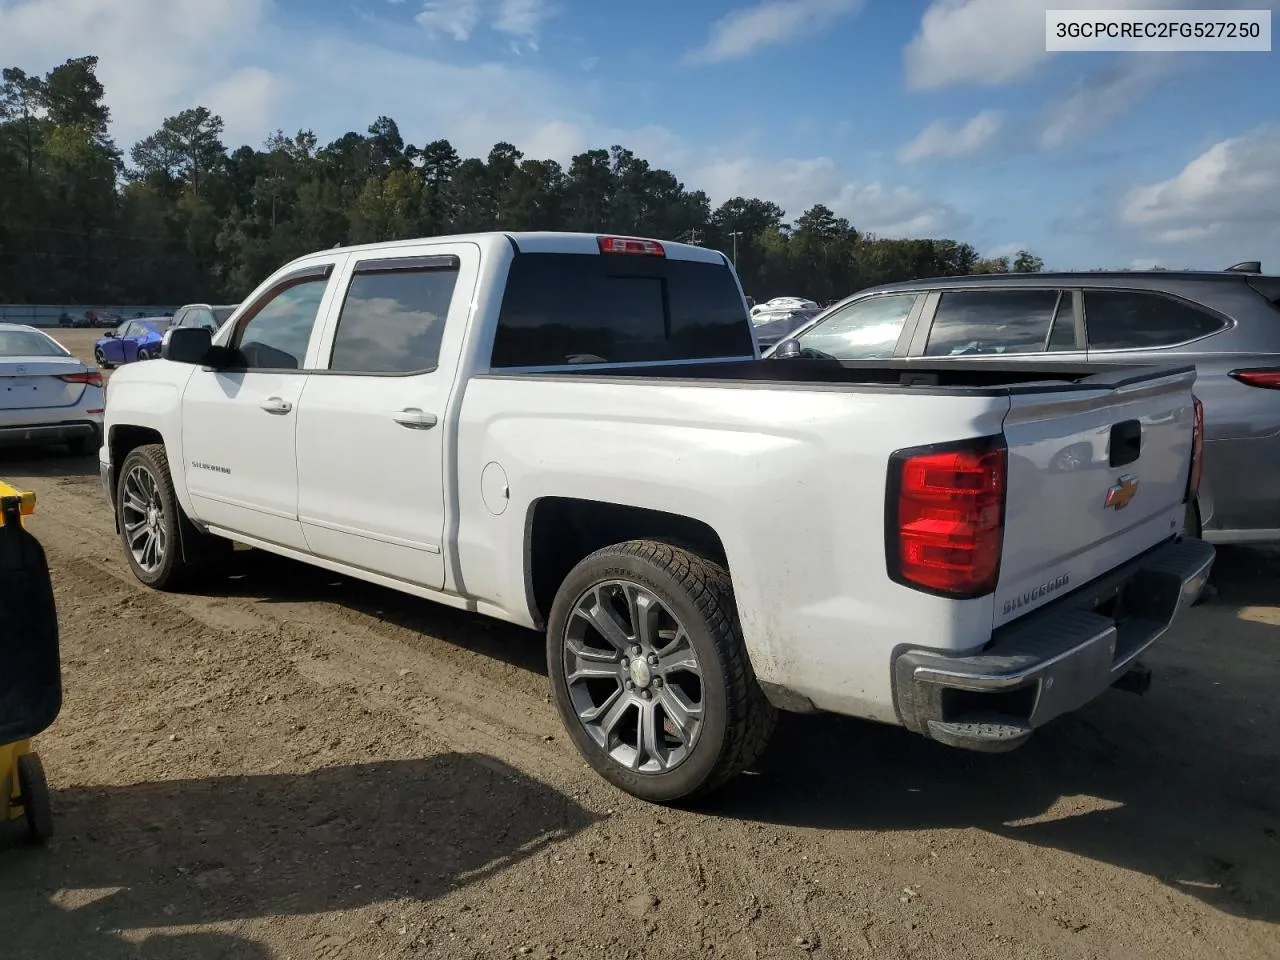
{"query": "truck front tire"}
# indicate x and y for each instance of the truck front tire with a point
(151, 520)
(650, 673)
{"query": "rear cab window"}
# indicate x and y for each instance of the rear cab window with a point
(565, 309)
(1135, 320)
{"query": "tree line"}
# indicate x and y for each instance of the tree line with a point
(180, 217)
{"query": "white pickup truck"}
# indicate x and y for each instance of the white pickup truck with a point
(576, 433)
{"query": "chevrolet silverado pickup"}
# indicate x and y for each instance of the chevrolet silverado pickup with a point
(576, 433)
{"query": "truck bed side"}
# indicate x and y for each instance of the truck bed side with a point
(792, 482)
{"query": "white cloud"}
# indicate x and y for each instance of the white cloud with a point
(743, 31)
(1231, 193)
(161, 56)
(456, 18)
(520, 19)
(991, 41)
(940, 140)
(157, 56)
(1100, 99)
(247, 101)
(1005, 250)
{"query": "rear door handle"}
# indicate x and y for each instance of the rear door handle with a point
(414, 418)
(276, 405)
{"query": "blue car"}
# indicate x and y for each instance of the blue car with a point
(132, 340)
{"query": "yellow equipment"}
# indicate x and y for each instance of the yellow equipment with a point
(30, 669)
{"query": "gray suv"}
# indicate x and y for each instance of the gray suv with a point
(1227, 323)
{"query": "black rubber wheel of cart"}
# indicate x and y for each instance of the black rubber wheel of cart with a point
(33, 789)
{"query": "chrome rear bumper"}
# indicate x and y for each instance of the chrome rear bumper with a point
(1052, 661)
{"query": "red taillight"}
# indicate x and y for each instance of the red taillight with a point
(946, 517)
(646, 248)
(91, 377)
(1197, 449)
(1267, 379)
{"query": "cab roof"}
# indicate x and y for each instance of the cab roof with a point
(533, 241)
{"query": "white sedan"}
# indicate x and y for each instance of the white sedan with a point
(46, 394)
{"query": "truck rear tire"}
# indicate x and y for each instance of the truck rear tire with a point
(151, 519)
(650, 672)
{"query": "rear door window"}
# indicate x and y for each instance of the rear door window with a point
(977, 322)
(561, 309)
(393, 316)
(1128, 320)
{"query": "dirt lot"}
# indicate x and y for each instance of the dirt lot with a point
(291, 765)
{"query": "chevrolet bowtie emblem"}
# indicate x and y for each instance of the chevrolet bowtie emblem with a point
(1120, 495)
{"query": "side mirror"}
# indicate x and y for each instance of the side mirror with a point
(191, 345)
(788, 349)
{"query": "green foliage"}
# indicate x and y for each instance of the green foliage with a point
(188, 220)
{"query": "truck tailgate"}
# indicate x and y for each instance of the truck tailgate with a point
(1095, 477)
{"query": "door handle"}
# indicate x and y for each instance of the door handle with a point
(414, 418)
(276, 405)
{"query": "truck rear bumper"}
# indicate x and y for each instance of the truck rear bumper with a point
(1054, 660)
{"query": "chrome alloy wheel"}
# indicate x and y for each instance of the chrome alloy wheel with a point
(143, 520)
(633, 676)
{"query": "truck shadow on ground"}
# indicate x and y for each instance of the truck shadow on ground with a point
(223, 849)
(1182, 785)
(264, 578)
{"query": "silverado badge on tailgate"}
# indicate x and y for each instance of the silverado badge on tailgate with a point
(1120, 495)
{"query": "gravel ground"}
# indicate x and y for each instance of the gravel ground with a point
(293, 765)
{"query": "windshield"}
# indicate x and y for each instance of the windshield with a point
(28, 343)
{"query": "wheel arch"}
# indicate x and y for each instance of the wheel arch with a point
(122, 440)
(561, 531)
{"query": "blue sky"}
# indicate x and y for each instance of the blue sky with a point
(909, 117)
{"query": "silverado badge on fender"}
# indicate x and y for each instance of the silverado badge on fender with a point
(1120, 495)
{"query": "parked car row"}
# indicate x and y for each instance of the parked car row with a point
(47, 396)
(575, 433)
(1226, 323)
(140, 339)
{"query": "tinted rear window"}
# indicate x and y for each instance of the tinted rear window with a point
(567, 308)
(1122, 319)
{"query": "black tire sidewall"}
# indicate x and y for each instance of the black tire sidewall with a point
(701, 766)
(169, 568)
(37, 808)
